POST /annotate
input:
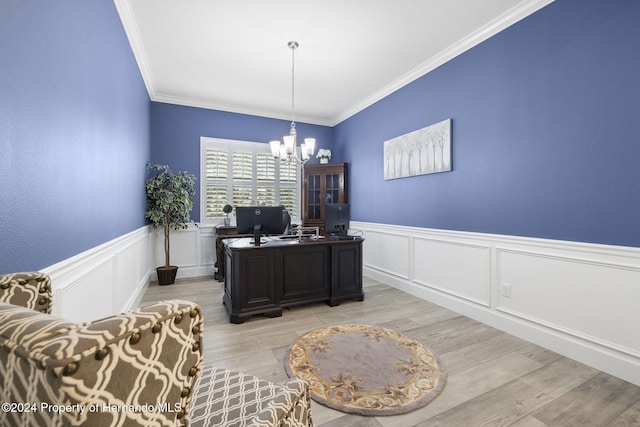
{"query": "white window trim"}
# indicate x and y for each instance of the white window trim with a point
(207, 143)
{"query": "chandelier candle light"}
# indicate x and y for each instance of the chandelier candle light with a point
(287, 150)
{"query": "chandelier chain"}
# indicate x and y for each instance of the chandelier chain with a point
(293, 83)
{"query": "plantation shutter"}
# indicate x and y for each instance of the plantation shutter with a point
(216, 188)
(216, 198)
(266, 176)
(243, 174)
(289, 188)
(242, 166)
(266, 168)
(216, 164)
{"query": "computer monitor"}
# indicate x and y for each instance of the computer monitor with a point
(336, 219)
(259, 219)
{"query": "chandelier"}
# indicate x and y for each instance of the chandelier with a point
(287, 150)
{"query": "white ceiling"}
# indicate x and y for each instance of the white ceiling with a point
(232, 55)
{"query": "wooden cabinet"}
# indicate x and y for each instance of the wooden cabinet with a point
(346, 272)
(322, 184)
(300, 283)
(250, 284)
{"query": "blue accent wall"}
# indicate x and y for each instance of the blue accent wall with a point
(546, 132)
(74, 131)
(176, 132)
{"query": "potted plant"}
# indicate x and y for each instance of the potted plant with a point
(324, 155)
(227, 210)
(169, 205)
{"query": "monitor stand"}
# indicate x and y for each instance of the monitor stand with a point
(257, 234)
(341, 229)
(341, 233)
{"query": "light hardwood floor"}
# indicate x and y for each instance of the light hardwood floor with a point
(495, 379)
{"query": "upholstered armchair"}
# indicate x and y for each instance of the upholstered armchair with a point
(226, 398)
(141, 368)
(131, 369)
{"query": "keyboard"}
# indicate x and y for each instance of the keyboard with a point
(341, 237)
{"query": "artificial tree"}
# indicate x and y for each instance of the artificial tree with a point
(227, 210)
(169, 205)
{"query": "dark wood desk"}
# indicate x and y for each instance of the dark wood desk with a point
(223, 232)
(284, 272)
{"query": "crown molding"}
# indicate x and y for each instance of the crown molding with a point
(123, 7)
(239, 109)
(511, 17)
(492, 28)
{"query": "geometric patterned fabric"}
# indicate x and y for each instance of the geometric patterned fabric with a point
(234, 399)
(30, 290)
(132, 369)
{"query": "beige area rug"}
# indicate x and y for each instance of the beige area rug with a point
(366, 370)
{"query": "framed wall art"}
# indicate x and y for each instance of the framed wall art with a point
(421, 152)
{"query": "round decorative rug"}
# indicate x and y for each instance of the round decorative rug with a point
(366, 370)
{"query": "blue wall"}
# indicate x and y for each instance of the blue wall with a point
(176, 132)
(546, 132)
(74, 131)
(546, 136)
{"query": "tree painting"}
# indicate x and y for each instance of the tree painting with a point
(421, 152)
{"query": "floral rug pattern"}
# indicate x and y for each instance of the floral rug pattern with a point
(366, 370)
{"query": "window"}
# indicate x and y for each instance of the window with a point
(244, 173)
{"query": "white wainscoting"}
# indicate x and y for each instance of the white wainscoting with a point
(104, 280)
(192, 250)
(580, 300)
(112, 278)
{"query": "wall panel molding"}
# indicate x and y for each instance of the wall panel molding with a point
(461, 269)
(104, 280)
(593, 300)
(577, 299)
(392, 253)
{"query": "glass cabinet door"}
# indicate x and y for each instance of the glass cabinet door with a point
(332, 188)
(314, 197)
